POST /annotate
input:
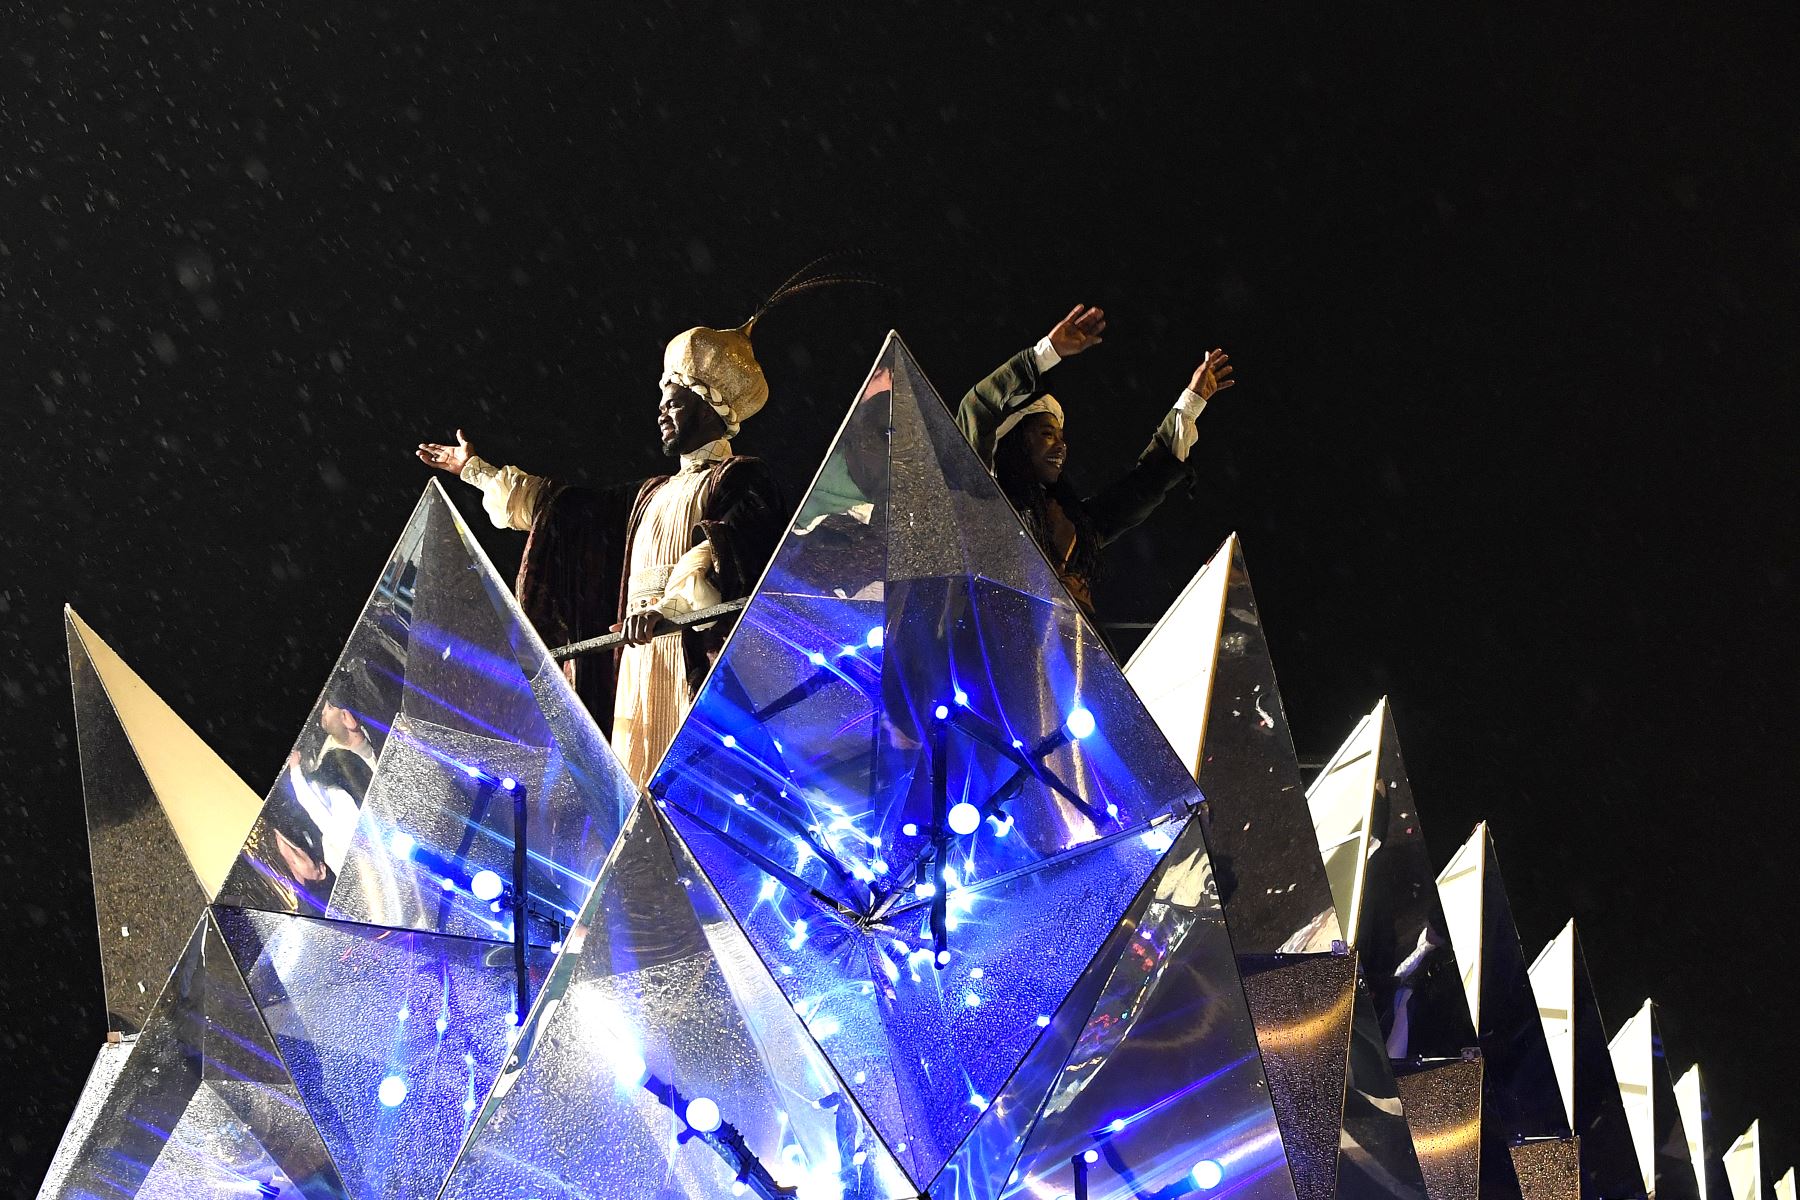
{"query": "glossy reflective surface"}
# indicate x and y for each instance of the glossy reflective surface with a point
(204, 1105)
(1744, 1165)
(1205, 675)
(1658, 1127)
(1524, 1099)
(1592, 1098)
(1155, 1084)
(660, 1003)
(1369, 831)
(397, 793)
(1443, 1109)
(1705, 1146)
(165, 819)
(916, 776)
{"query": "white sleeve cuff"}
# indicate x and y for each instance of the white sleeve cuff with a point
(1045, 354)
(1178, 428)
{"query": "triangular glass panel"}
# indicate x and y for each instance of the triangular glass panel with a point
(1648, 1090)
(392, 1036)
(1703, 1140)
(1592, 1099)
(1743, 1164)
(661, 1060)
(1369, 831)
(108, 1064)
(1443, 1110)
(1205, 675)
(165, 818)
(1523, 1099)
(912, 704)
(1147, 1081)
(204, 1105)
(1785, 1187)
(399, 782)
(1376, 1158)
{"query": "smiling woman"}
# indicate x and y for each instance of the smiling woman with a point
(1017, 428)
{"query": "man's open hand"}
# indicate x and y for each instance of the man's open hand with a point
(1212, 375)
(447, 458)
(1078, 331)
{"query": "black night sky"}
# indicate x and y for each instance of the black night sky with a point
(1512, 295)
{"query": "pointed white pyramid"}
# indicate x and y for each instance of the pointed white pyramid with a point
(166, 817)
(1743, 1164)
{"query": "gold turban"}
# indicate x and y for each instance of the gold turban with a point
(721, 361)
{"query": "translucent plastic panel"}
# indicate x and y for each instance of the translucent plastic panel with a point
(392, 1036)
(1303, 1009)
(1204, 673)
(1163, 1093)
(204, 1105)
(1443, 1108)
(663, 1061)
(440, 666)
(108, 1064)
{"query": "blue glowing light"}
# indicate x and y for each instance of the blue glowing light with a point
(401, 844)
(816, 659)
(1208, 1174)
(1118, 1125)
(630, 1069)
(965, 818)
(392, 1092)
(702, 1115)
(910, 829)
(729, 742)
(1092, 1156)
(961, 698)
(486, 885)
(971, 1000)
(1043, 1022)
(1080, 723)
(876, 638)
(941, 711)
(509, 783)
(512, 1018)
(443, 1026)
(448, 884)
(943, 956)
(403, 1014)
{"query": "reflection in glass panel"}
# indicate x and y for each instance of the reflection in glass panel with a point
(391, 1036)
(442, 711)
(1162, 1093)
(662, 1060)
(203, 1105)
(911, 750)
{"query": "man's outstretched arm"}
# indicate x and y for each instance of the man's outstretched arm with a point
(1012, 384)
(510, 497)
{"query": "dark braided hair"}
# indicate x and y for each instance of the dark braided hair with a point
(1012, 468)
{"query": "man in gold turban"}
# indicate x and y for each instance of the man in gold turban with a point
(624, 557)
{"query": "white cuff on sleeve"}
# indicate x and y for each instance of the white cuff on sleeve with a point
(1045, 354)
(1178, 427)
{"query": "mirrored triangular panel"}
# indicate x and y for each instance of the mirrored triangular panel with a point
(1369, 831)
(1206, 677)
(1576, 1038)
(1147, 1081)
(108, 1063)
(911, 748)
(1744, 1166)
(662, 1060)
(165, 819)
(1658, 1129)
(204, 1104)
(443, 711)
(391, 1036)
(1705, 1146)
(1524, 1099)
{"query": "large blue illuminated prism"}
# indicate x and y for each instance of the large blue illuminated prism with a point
(916, 776)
